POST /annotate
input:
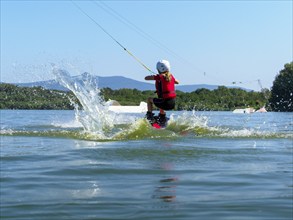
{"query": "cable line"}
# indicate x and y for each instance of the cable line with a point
(102, 5)
(142, 33)
(106, 32)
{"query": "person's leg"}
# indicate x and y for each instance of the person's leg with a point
(162, 112)
(162, 116)
(149, 114)
(150, 104)
(168, 105)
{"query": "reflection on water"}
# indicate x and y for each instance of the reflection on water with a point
(167, 190)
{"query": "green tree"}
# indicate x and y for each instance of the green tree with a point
(282, 91)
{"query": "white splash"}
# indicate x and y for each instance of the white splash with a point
(189, 120)
(95, 116)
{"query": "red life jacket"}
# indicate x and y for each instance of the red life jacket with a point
(165, 89)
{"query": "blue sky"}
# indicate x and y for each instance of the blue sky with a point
(206, 42)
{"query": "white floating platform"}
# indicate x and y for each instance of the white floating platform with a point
(244, 110)
(114, 106)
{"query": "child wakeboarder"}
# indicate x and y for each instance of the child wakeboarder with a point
(165, 89)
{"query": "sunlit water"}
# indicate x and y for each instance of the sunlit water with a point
(94, 164)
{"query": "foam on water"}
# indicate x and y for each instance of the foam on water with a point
(186, 122)
(252, 133)
(141, 129)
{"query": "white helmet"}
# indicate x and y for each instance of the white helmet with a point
(163, 66)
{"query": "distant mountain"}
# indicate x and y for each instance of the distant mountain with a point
(113, 82)
(191, 88)
(118, 82)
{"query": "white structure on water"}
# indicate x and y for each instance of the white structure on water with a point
(115, 106)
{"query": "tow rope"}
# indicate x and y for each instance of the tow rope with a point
(106, 32)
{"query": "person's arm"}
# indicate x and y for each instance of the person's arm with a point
(151, 77)
(176, 81)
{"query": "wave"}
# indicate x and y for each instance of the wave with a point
(141, 129)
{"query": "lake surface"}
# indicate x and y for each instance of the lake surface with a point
(204, 165)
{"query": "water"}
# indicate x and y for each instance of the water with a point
(204, 165)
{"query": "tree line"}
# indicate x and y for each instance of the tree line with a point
(15, 97)
(221, 99)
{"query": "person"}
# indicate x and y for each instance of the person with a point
(165, 89)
